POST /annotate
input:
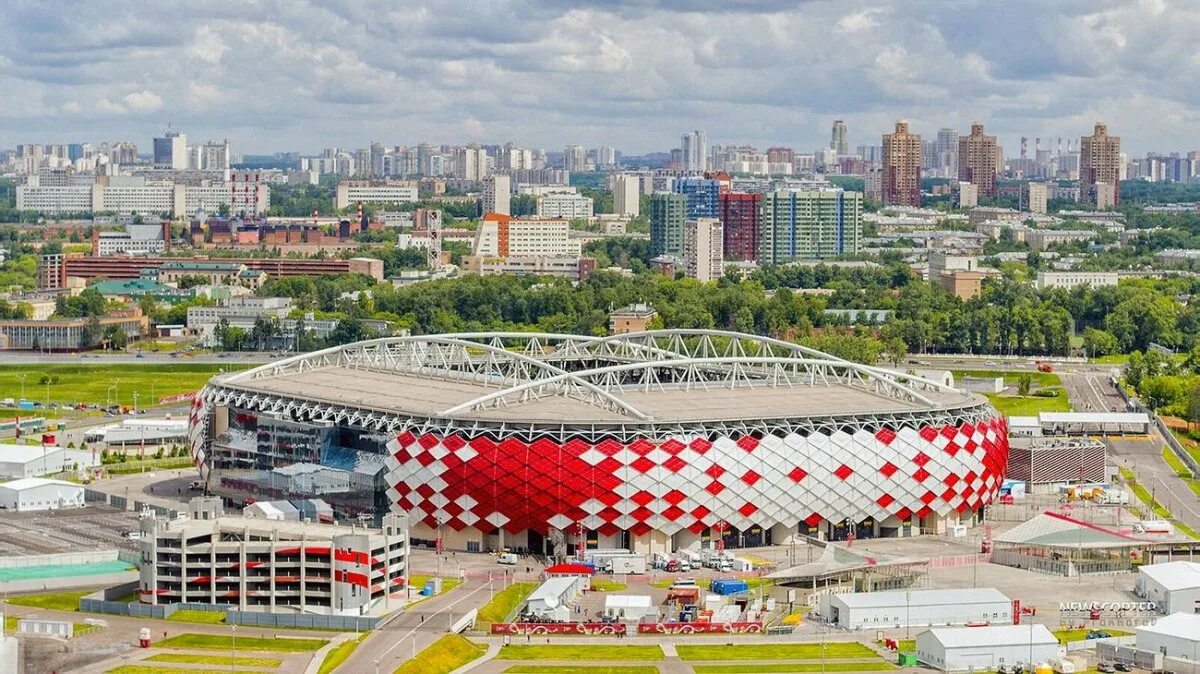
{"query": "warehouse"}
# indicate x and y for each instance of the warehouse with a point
(954, 649)
(18, 461)
(1175, 636)
(551, 600)
(878, 610)
(35, 493)
(1174, 587)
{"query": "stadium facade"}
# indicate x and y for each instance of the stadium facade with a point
(655, 440)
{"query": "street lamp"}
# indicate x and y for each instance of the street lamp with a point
(233, 648)
(22, 376)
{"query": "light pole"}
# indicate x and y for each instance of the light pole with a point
(233, 648)
(22, 376)
(135, 397)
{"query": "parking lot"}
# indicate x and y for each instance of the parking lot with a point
(91, 528)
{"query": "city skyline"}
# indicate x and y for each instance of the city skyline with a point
(633, 77)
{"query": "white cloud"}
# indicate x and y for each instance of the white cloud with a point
(140, 102)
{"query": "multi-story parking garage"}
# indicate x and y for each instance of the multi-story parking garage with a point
(652, 440)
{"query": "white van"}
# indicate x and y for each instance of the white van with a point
(507, 558)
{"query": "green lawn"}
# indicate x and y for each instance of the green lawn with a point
(1180, 469)
(220, 642)
(505, 602)
(582, 653)
(443, 656)
(879, 666)
(88, 383)
(337, 655)
(1029, 406)
(1039, 379)
(603, 585)
(1157, 508)
(574, 669)
(845, 649)
(1081, 635)
(189, 659)
(58, 601)
(203, 617)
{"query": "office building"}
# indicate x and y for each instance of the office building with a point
(838, 141)
(668, 211)
(694, 152)
(901, 167)
(1100, 166)
(977, 160)
(702, 194)
(266, 565)
(703, 249)
(137, 239)
(741, 219)
(809, 225)
(497, 192)
(568, 205)
(627, 195)
(631, 318)
(171, 151)
(72, 334)
(51, 272)
(503, 236)
(389, 192)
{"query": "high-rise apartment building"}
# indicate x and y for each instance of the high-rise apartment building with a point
(471, 163)
(741, 219)
(978, 159)
(497, 192)
(694, 151)
(1100, 166)
(838, 141)
(810, 225)
(702, 196)
(171, 151)
(606, 156)
(946, 151)
(574, 158)
(703, 249)
(668, 211)
(1035, 196)
(627, 195)
(901, 167)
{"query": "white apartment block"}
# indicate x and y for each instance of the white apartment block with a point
(352, 192)
(272, 565)
(138, 195)
(1072, 279)
(1041, 239)
(703, 248)
(627, 195)
(54, 200)
(497, 194)
(564, 205)
(505, 237)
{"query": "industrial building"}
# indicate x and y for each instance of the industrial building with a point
(1175, 636)
(956, 649)
(35, 493)
(271, 565)
(647, 441)
(1046, 463)
(912, 608)
(20, 461)
(1173, 586)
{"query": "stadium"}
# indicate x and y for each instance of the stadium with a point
(651, 441)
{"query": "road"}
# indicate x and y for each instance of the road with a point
(27, 358)
(408, 632)
(1094, 392)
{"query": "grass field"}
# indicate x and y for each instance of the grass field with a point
(574, 669)
(1029, 406)
(337, 655)
(1039, 379)
(212, 642)
(603, 585)
(189, 659)
(774, 651)
(1081, 635)
(58, 601)
(87, 383)
(203, 617)
(582, 653)
(443, 656)
(789, 668)
(1180, 469)
(505, 602)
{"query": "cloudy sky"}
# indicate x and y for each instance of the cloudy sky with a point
(298, 75)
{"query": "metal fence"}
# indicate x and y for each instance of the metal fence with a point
(285, 620)
(1188, 460)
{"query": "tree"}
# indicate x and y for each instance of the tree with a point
(346, 331)
(1024, 384)
(1098, 343)
(895, 350)
(1193, 404)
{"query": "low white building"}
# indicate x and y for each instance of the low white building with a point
(19, 461)
(954, 649)
(552, 599)
(1175, 636)
(628, 606)
(35, 493)
(880, 610)
(1173, 586)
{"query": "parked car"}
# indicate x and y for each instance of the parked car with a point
(1106, 667)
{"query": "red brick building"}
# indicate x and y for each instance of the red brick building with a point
(742, 219)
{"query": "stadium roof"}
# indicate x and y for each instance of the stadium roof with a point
(663, 375)
(1052, 529)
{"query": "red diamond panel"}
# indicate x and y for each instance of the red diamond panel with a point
(797, 474)
(750, 477)
(843, 471)
(887, 469)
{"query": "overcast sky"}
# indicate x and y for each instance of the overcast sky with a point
(635, 74)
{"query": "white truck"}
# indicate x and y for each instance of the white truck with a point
(1114, 497)
(626, 564)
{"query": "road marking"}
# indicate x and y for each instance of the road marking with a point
(421, 624)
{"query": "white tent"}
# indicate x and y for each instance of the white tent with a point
(628, 606)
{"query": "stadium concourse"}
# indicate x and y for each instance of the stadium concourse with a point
(651, 441)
